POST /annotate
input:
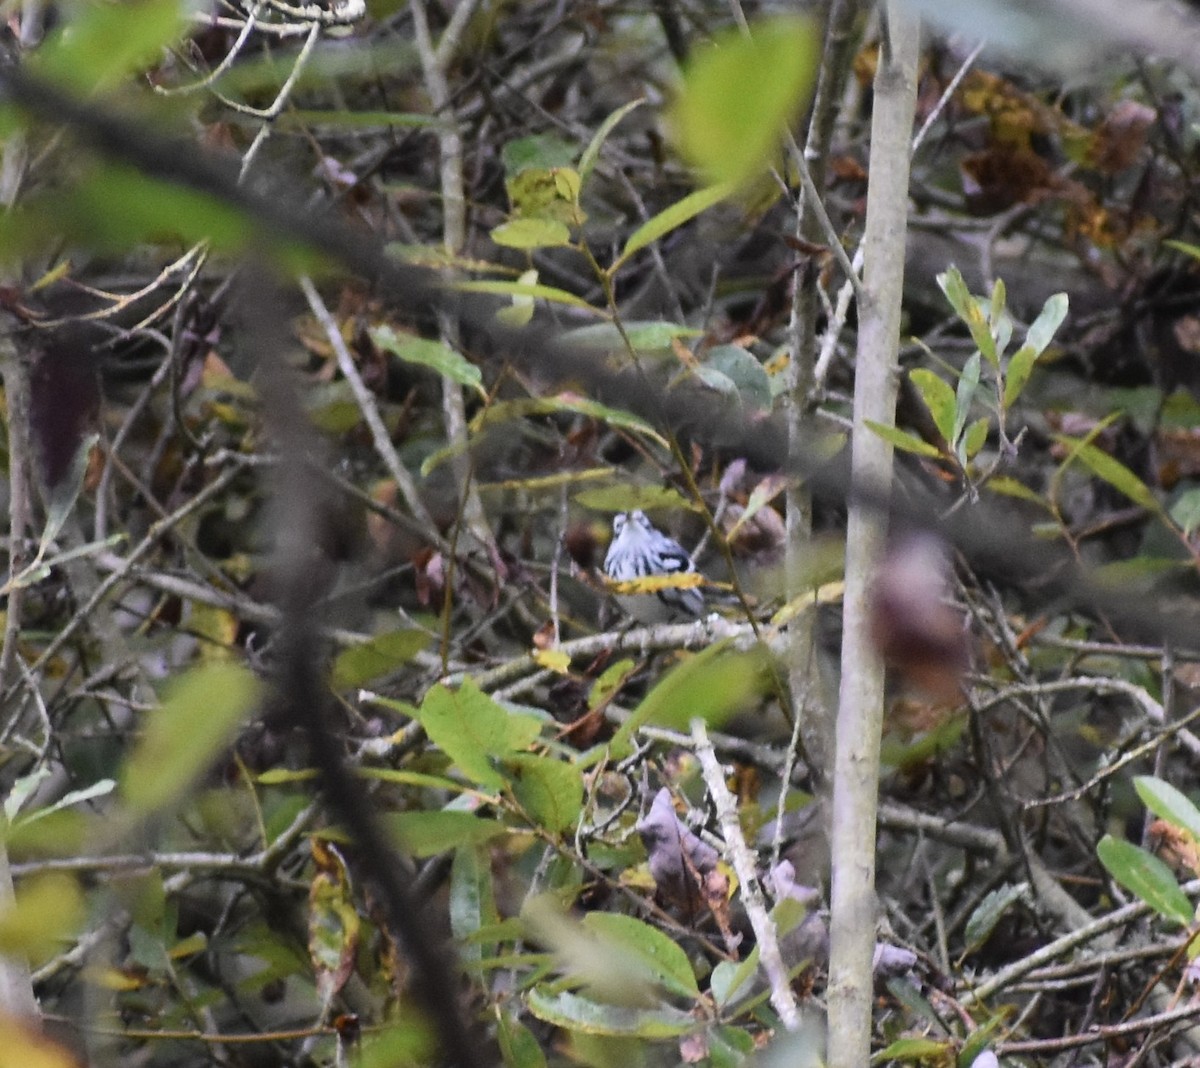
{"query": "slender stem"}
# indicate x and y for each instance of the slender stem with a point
(860, 705)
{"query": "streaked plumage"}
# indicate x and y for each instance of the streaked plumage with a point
(640, 549)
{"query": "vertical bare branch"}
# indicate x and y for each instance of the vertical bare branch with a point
(860, 707)
(16, 987)
(434, 61)
(814, 719)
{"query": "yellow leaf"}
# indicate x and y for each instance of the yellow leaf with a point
(553, 660)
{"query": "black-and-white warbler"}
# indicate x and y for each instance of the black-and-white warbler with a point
(640, 550)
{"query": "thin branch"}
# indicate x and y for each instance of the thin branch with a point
(742, 859)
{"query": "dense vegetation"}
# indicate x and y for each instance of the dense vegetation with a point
(336, 335)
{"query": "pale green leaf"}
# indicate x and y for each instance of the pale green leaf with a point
(49, 908)
(661, 958)
(201, 711)
(548, 789)
(429, 353)
(939, 399)
(968, 383)
(532, 233)
(472, 902)
(577, 1013)
(590, 154)
(380, 655)
(518, 1046)
(643, 336)
(1010, 487)
(525, 289)
(104, 43)
(740, 93)
(1146, 876)
(743, 369)
(100, 788)
(537, 152)
(474, 731)
(426, 834)
(989, 912)
(625, 498)
(975, 437)
(903, 440)
(1045, 326)
(924, 1050)
(1186, 511)
(676, 215)
(61, 497)
(970, 310)
(1020, 368)
(711, 685)
(1168, 803)
(1112, 471)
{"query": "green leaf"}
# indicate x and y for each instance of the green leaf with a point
(989, 912)
(379, 656)
(401, 1045)
(537, 152)
(590, 154)
(114, 208)
(968, 309)
(549, 790)
(427, 834)
(729, 978)
(740, 93)
(904, 441)
(532, 233)
(61, 497)
(295, 118)
(474, 731)
(999, 301)
(518, 1046)
(433, 354)
(524, 289)
(576, 1013)
(975, 437)
(676, 215)
(938, 398)
(1145, 876)
(663, 961)
(49, 908)
(915, 1049)
(100, 788)
(1183, 246)
(506, 411)
(1168, 803)
(625, 498)
(744, 371)
(1010, 487)
(968, 383)
(1186, 511)
(1020, 367)
(711, 685)
(647, 337)
(1112, 471)
(107, 42)
(1045, 326)
(200, 712)
(472, 903)
(609, 684)
(546, 193)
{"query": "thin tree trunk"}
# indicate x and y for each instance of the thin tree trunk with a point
(860, 703)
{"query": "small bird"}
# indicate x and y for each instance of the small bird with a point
(640, 550)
